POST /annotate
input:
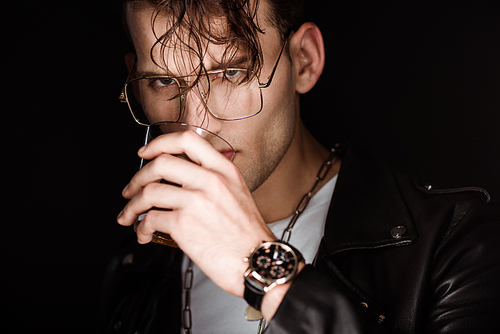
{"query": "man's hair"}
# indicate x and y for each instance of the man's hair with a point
(193, 24)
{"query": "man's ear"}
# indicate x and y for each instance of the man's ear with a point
(308, 56)
(129, 60)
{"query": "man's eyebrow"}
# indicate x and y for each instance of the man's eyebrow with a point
(143, 74)
(236, 62)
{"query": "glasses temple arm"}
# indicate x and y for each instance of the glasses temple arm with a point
(122, 96)
(270, 78)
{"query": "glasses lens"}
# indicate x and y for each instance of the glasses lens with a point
(230, 94)
(154, 100)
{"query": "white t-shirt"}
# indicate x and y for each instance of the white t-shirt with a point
(216, 311)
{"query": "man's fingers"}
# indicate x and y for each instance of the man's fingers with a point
(164, 167)
(153, 195)
(154, 221)
(197, 149)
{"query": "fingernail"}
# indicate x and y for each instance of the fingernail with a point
(142, 149)
(126, 188)
(120, 214)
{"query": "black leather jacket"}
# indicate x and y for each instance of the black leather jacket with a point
(395, 258)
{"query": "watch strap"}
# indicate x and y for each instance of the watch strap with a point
(253, 293)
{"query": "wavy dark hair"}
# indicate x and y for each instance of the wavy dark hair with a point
(193, 24)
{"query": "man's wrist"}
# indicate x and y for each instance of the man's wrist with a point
(272, 265)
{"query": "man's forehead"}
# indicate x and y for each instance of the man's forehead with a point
(180, 60)
(182, 51)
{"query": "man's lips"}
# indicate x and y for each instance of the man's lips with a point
(228, 154)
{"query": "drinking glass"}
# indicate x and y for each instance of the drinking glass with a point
(162, 128)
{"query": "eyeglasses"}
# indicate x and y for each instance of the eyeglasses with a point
(228, 94)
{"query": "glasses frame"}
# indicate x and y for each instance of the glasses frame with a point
(124, 96)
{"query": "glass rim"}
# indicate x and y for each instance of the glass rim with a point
(148, 131)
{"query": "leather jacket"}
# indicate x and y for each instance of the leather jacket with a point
(395, 258)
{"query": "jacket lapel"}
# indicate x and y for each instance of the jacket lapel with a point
(366, 210)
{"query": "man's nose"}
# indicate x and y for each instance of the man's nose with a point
(194, 110)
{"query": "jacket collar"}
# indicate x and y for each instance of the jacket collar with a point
(367, 210)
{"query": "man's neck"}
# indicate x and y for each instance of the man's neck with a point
(280, 194)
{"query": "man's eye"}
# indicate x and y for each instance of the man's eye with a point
(234, 76)
(232, 73)
(163, 82)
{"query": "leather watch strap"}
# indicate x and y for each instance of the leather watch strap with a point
(253, 294)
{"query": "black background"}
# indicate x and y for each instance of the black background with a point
(418, 84)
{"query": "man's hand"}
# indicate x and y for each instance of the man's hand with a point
(212, 216)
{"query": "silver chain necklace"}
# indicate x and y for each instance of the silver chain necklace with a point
(287, 234)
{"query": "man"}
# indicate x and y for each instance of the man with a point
(382, 255)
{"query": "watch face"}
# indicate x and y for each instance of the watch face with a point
(273, 261)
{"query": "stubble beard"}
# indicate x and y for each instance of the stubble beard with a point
(259, 170)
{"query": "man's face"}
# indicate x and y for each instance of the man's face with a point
(259, 141)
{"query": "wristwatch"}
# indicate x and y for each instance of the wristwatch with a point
(271, 263)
